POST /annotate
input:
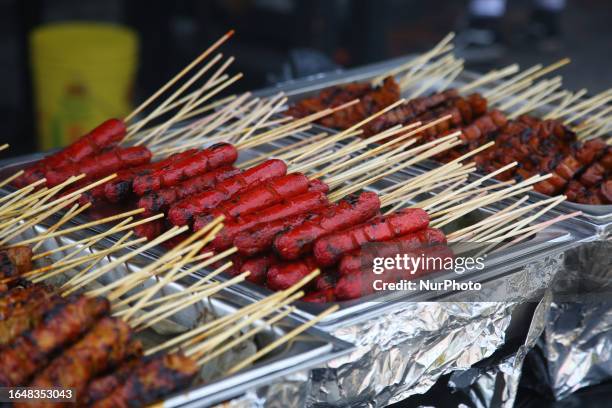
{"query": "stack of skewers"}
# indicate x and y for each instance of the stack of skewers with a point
(282, 219)
(85, 338)
(575, 153)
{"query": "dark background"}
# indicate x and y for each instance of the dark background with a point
(277, 40)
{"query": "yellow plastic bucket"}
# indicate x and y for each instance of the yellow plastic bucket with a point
(83, 74)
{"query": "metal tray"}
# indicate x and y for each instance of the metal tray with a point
(311, 349)
(553, 239)
(599, 216)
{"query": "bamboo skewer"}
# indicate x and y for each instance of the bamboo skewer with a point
(178, 76)
(283, 339)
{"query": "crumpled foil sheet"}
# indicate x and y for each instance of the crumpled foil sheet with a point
(571, 336)
(497, 386)
(403, 352)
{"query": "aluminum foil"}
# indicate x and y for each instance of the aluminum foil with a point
(569, 344)
(404, 351)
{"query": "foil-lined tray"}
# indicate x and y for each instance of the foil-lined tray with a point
(312, 348)
(499, 266)
(599, 217)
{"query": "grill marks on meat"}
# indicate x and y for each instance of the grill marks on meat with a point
(183, 212)
(101, 165)
(106, 135)
(61, 325)
(15, 261)
(371, 100)
(104, 346)
(221, 154)
(348, 212)
(151, 380)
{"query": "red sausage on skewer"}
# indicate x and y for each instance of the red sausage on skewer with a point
(350, 211)
(329, 249)
(182, 212)
(221, 154)
(100, 165)
(161, 200)
(260, 237)
(108, 134)
(295, 206)
(264, 195)
(364, 257)
(286, 274)
(119, 189)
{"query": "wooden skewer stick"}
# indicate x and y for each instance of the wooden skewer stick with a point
(209, 327)
(418, 62)
(9, 233)
(282, 131)
(111, 265)
(541, 226)
(570, 99)
(178, 76)
(81, 227)
(591, 108)
(471, 230)
(122, 226)
(358, 145)
(73, 212)
(210, 230)
(183, 111)
(298, 330)
(228, 346)
(540, 100)
(194, 95)
(552, 202)
(343, 133)
(202, 349)
(95, 257)
(10, 179)
(64, 265)
(126, 283)
(35, 202)
(199, 284)
(491, 76)
(546, 84)
(149, 319)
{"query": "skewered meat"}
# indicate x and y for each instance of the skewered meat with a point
(350, 211)
(363, 258)
(182, 212)
(106, 135)
(409, 111)
(18, 296)
(329, 249)
(286, 274)
(100, 387)
(100, 165)
(282, 213)
(15, 261)
(263, 195)
(261, 236)
(28, 316)
(161, 200)
(361, 282)
(152, 379)
(213, 157)
(120, 188)
(103, 347)
(60, 327)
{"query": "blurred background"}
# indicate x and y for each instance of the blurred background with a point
(275, 41)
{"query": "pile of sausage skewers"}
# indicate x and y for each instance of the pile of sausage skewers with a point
(90, 344)
(580, 170)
